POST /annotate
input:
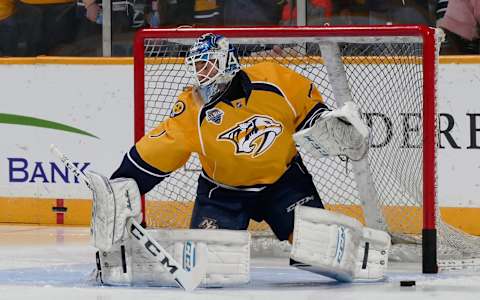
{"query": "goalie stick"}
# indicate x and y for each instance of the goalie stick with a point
(187, 280)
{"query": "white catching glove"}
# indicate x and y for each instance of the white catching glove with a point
(114, 201)
(337, 132)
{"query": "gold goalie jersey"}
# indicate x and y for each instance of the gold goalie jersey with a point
(244, 137)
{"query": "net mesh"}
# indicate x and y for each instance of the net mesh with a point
(385, 79)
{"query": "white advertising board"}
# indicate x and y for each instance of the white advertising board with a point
(45, 104)
(459, 115)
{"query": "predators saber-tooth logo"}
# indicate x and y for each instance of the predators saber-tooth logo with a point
(253, 136)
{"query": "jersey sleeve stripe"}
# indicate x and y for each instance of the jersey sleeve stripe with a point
(201, 115)
(134, 157)
(130, 169)
(260, 86)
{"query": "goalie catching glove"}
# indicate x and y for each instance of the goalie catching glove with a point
(338, 246)
(337, 132)
(114, 201)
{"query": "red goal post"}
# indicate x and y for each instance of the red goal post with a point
(151, 49)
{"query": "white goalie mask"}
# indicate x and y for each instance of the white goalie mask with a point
(213, 63)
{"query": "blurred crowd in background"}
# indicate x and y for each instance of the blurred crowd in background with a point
(74, 27)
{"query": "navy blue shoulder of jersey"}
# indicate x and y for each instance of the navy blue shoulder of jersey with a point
(240, 87)
(134, 167)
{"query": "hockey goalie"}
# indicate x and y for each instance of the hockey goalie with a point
(245, 124)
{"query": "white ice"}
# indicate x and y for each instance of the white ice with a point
(47, 262)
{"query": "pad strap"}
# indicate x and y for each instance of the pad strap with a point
(372, 255)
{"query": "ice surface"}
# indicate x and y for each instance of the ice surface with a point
(40, 263)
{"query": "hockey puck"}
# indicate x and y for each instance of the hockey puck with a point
(407, 283)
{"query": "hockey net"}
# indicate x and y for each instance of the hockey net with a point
(389, 71)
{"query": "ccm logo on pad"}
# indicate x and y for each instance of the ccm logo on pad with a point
(299, 202)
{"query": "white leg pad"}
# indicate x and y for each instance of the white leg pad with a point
(228, 258)
(326, 241)
(333, 245)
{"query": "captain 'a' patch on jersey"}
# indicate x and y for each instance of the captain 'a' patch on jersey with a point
(253, 136)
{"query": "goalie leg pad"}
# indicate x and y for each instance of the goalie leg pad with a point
(327, 242)
(114, 201)
(338, 246)
(228, 258)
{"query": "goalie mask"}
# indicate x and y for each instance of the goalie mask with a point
(212, 61)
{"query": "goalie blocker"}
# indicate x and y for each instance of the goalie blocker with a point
(114, 201)
(338, 246)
